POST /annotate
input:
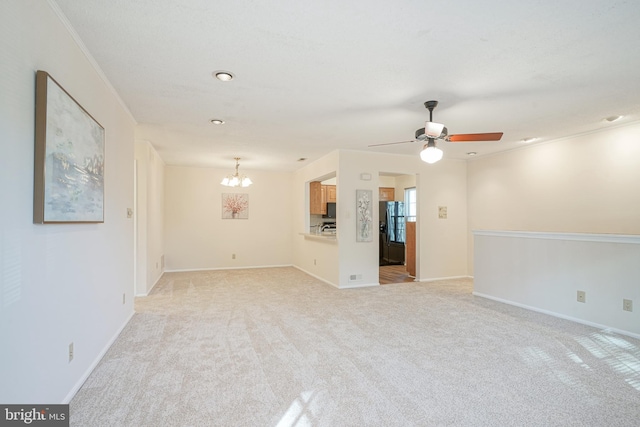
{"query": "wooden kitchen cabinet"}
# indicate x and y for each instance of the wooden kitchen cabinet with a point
(319, 196)
(386, 194)
(316, 204)
(330, 191)
(323, 203)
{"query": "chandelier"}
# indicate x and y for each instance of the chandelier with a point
(236, 180)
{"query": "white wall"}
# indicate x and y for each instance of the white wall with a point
(584, 184)
(443, 242)
(149, 217)
(59, 283)
(544, 272)
(196, 236)
(403, 182)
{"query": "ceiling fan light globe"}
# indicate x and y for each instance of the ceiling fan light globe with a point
(433, 129)
(431, 154)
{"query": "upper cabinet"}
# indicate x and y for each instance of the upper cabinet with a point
(319, 196)
(323, 202)
(386, 194)
(315, 198)
(330, 192)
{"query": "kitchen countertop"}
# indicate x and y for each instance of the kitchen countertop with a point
(320, 236)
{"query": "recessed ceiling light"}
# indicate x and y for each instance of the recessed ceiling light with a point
(471, 153)
(613, 118)
(528, 140)
(224, 76)
(217, 121)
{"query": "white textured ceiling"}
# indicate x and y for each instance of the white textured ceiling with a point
(316, 75)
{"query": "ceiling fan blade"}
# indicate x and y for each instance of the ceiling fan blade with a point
(390, 143)
(473, 137)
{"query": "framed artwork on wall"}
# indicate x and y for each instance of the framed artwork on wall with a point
(235, 206)
(69, 158)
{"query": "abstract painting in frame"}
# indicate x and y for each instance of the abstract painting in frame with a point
(69, 158)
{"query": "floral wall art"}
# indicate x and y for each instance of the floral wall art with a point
(364, 220)
(235, 206)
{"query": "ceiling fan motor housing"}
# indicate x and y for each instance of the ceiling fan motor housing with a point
(431, 128)
(421, 135)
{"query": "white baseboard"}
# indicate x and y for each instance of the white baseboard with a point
(436, 279)
(317, 277)
(359, 285)
(146, 294)
(97, 360)
(185, 270)
(558, 315)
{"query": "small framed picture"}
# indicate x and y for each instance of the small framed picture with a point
(235, 206)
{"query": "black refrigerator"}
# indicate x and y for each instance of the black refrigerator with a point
(392, 233)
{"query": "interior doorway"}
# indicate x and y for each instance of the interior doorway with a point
(397, 208)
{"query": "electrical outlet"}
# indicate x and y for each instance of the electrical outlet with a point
(582, 296)
(233, 256)
(627, 305)
(70, 352)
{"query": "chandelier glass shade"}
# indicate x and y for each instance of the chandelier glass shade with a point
(236, 180)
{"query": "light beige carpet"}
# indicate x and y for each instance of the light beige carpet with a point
(276, 347)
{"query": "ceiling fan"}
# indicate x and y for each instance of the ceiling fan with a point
(433, 131)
